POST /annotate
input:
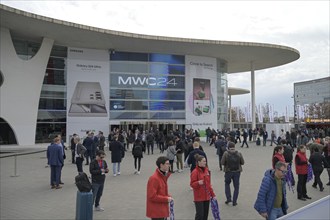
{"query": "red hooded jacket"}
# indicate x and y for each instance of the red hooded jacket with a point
(200, 193)
(301, 168)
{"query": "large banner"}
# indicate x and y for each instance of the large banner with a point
(201, 92)
(88, 73)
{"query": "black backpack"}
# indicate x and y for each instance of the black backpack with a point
(233, 161)
(82, 182)
(137, 150)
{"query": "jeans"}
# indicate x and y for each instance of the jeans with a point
(150, 145)
(275, 213)
(317, 178)
(235, 177)
(202, 210)
(55, 175)
(79, 162)
(97, 189)
(115, 169)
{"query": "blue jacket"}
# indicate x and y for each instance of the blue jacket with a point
(267, 194)
(55, 155)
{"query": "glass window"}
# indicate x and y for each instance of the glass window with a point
(128, 94)
(128, 115)
(56, 63)
(129, 67)
(58, 104)
(167, 95)
(51, 116)
(127, 56)
(156, 106)
(54, 77)
(167, 58)
(167, 115)
(160, 68)
(128, 105)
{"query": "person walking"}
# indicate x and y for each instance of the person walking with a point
(179, 151)
(232, 161)
(101, 141)
(89, 144)
(245, 136)
(272, 138)
(221, 146)
(137, 152)
(318, 162)
(200, 182)
(301, 163)
(171, 152)
(79, 153)
(264, 137)
(191, 157)
(158, 198)
(55, 161)
(117, 149)
(98, 168)
(73, 147)
(271, 201)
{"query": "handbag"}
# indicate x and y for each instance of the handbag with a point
(214, 205)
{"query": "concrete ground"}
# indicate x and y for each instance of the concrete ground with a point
(28, 196)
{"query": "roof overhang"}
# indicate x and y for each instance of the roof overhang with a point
(239, 55)
(237, 91)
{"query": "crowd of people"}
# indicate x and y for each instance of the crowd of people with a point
(184, 149)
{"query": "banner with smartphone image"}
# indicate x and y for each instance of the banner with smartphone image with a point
(201, 92)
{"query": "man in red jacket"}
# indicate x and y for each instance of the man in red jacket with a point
(157, 191)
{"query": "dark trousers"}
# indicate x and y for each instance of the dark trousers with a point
(79, 162)
(229, 176)
(301, 185)
(317, 178)
(245, 142)
(202, 210)
(220, 166)
(73, 155)
(161, 146)
(137, 163)
(88, 154)
(55, 175)
(97, 189)
(150, 145)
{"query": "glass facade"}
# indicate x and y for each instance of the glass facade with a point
(147, 86)
(143, 86)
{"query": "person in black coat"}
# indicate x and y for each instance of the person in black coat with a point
(221, 146)
(117, 149)
(318, 163)
(137, 152)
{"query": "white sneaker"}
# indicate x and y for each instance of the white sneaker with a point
(138, 172)
(114, 174)
(118, 173)
(99, 208)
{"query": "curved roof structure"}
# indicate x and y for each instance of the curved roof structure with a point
(238, 55)
(237, 91)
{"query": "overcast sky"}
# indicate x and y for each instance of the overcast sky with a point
(303, 25)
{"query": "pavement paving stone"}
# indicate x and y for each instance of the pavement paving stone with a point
(28, 196)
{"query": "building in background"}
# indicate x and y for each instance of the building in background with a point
(59, 77)
(312, 102)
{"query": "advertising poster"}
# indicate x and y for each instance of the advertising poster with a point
(87, 91)
(201, 92)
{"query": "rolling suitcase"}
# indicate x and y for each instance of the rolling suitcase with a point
(84, 206)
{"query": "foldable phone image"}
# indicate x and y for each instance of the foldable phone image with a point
(202, 96)
(88, 100)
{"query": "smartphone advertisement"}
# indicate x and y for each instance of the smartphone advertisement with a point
(201, 92)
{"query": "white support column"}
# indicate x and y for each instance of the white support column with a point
(253, 96)
(230, 114)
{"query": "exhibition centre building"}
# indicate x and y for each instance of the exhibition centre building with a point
(59, 77)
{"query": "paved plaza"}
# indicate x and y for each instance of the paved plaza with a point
(28, 196)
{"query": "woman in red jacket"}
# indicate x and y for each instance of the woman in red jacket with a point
(278, 155)
(301, 163)
(200, 181)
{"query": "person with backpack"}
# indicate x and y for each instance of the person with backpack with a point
(232, 161)
(137, 152)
